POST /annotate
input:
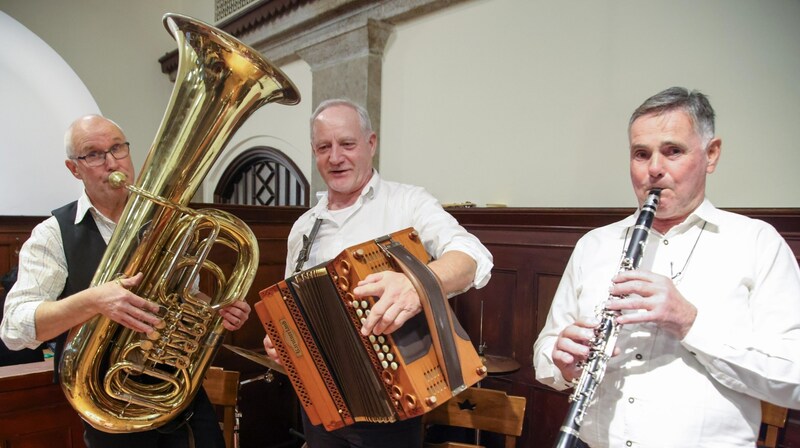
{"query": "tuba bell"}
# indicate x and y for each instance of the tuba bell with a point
(120, 380)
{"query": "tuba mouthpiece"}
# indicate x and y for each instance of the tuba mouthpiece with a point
(117, 179)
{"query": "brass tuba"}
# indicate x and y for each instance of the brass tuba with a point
(120, 380)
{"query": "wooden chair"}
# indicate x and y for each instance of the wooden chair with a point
(483, 410)
(774, 418)
(222, 388)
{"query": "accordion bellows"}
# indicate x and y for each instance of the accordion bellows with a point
(342, 377)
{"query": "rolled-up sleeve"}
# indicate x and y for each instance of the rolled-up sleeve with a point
(442, 233)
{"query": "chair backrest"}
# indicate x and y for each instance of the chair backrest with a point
(774, 418)
(222, 388)
(484, 410)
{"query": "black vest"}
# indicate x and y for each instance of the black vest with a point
(84, 248)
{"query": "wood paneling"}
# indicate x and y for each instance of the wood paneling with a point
(530, 247)
(14, 230)
(34, 412)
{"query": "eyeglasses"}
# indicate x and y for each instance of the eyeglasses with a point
(97, 158)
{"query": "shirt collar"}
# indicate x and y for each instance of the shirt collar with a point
(705, 212)
(85, 206)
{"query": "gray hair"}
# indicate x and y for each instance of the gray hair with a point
(694, 103)
(363, 115)
(68, 144)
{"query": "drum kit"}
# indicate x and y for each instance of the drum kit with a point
(495, 365)
(267, 377)
(258, 358)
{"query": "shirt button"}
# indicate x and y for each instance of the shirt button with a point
(666, 242)
(693, 353)
(628, 443)
(631, 400)
(639, 356)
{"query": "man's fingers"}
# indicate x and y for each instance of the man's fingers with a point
(398, 322)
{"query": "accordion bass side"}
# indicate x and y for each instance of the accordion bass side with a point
(342, 377)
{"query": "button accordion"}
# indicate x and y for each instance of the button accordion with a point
(342, 377)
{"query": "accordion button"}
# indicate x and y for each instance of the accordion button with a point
(364, 304)
(381, 356)
(360, 313)
(390, 357)
(384, 364)
(363, 321)
(385, 348)
(381, 339)
(377, 347)
(372, 338)
(393, 366)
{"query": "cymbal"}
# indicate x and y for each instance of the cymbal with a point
(499, 364)
(258, 358)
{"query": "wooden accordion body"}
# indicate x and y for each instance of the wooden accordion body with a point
(342, 377)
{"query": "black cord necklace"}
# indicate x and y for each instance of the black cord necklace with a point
(673, 277)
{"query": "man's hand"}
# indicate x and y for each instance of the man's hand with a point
(235, 315)
(270, 349)
(398, 301)
(657, 299)
(114, 300)
(572, 347)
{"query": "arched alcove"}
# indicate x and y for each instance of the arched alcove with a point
(262, 176)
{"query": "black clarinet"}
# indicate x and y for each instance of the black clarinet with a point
(605, 334)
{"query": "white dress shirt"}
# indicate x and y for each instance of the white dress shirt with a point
(382, 208)
(42, 275)
(744, 346)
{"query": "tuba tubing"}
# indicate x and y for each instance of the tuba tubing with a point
(117, 379)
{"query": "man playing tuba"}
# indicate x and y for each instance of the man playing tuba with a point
(57, 263)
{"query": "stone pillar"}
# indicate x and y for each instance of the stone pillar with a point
(348, 65)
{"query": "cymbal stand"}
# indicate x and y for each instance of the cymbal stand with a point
(237, 415)
(481, 351)
(267, 377)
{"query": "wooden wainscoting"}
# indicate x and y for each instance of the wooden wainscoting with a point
(530, 247)
(14, 230)
(33, 410)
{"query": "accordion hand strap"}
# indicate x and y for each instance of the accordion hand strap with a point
(437, 312)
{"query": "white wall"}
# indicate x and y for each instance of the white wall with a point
(114, 48)
(523, 102)
(526, 102)
(41, 96)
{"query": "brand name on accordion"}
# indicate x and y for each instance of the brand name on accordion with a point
(290, 338)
